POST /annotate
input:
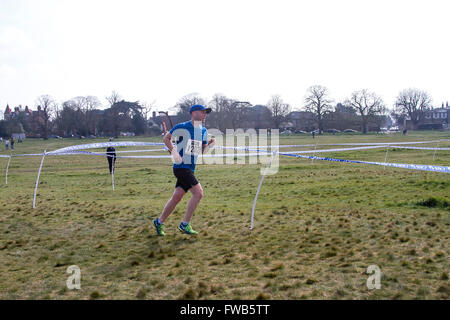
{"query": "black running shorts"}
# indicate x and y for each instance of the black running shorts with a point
(185, 178)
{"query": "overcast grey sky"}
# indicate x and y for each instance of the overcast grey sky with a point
(161, 50)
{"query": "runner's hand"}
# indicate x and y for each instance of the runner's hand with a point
(210, 145)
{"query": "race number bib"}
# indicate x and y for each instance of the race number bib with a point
(193, 147)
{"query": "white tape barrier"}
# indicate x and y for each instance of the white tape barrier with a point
(74, 150)
(169, 156)
(133, 143)
(297, 154)
(137, 151)
(246, 149)
(336, 144)
(384, 143)
(71, 150)
(363, 148)
(256, 153)
(105, 145)
(421, 167)
(335, 150)
(420, 148)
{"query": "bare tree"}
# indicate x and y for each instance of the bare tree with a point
(235, 112)
(186, 102)
(70, 118)
(113, 98)
(318, 102)
(220, 105)
(79, 103)
(279, 109)
(227, 112)
(91, 117)
(147, 109)
(367, 104)
(92, 103)
(87, 118)
(413, 103)
(46, 108)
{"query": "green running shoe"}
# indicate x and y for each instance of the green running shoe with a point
(159, 227)
(187, 229)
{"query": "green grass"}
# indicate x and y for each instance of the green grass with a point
(318, 227)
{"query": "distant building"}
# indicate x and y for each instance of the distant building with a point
(436, 118)
(7, 113)
(34, 119)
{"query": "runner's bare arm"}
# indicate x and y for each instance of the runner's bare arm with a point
(168, 141)
(173, 151)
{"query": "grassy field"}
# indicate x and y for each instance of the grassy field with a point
(318, 227)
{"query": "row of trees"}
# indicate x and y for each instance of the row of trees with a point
(364, 103)
(85, 115)
(81, 116)
(233, 114)
(360, 109)
(410, 104)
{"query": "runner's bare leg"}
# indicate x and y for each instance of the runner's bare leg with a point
(197, 195)
(178, 194)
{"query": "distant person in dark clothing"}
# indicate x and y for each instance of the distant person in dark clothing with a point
(313, 134)
(405, 131)
(111, 155)
(12, 143)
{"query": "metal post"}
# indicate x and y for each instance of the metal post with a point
(7, 167)
(112, 174)
(37, 179)
(435, 150)
(314, 154)
(385, 158)
(259, 188)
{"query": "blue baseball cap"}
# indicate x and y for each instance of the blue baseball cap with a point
(199, 107)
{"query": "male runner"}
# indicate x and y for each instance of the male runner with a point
(192, 139)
